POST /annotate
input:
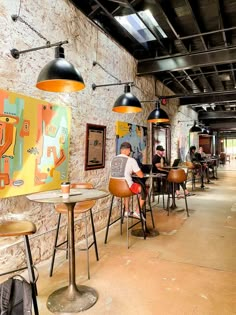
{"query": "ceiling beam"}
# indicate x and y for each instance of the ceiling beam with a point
(217, 115)
(228, 135)
(177, 63)
(203, 98)
(213, 97)
(222, 125)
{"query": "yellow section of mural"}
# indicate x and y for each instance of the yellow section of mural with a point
(34, 144)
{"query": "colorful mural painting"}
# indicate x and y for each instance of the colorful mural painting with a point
(136, 136)
(34, 144)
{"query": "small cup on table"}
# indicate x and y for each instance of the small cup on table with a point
(65, 189)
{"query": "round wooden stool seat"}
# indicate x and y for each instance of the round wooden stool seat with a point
(80, 207)
(177, 176)
(190, 165)
(22, 228)
(17, 228)
(119, 188)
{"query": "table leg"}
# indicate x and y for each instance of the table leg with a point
(72, 298)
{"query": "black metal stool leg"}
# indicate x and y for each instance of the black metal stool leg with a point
(32, 278)
(150, 207)
(55, 245)
(168, 199)
(186, 204)
(108, 221)
(94, 234)
(141, 218)
(122, 211)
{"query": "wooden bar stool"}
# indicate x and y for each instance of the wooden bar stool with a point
(176, 176)
(22, 228)
(80, 208)
(119, 188)
(191, 170)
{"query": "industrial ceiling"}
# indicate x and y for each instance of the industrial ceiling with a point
(189, 45)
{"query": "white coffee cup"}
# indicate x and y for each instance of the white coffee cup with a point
(65, 189)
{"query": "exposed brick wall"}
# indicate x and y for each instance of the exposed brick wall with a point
(58, 20)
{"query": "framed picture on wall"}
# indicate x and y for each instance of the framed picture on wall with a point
(95, 147)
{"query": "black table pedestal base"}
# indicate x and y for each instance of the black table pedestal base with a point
(149, 232)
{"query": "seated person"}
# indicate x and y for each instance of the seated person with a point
(123, 166)
(159, 162)
(202, 157)
(191, 155)
(202, 153)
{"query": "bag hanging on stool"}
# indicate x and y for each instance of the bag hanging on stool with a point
(15, 297)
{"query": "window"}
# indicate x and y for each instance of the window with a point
(135, 26)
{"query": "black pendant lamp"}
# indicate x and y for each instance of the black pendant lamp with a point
(195, 128)
(158, 115)
(127, 102)
(60, 75)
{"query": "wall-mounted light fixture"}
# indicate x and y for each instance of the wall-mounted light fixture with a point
(127, 102)
(195, 128)
(158, 115)
(58, 75)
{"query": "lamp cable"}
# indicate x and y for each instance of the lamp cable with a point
(18, 18)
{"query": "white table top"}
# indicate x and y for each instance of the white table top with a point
(81, 194)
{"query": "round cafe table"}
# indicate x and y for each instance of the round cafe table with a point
(72, 298)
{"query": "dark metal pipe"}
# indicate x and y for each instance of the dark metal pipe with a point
(16, 53)
(94, 86)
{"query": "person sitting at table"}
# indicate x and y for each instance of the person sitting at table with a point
(123, 166)
(203, 154)
(196, 158)
(191, 155)
(159, 163)
(206, 166)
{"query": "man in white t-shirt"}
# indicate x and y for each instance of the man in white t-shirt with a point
(124, 166)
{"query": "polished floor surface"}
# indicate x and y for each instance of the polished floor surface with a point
(189, 269)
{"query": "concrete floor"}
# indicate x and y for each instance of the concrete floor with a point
(189, 269)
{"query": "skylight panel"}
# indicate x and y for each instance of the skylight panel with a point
(134, 25)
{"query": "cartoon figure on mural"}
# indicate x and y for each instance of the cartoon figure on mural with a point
(7, 144)
(34, 144)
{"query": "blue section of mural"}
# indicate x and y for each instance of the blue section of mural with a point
(136, 136)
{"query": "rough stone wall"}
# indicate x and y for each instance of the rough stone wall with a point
(58, 20)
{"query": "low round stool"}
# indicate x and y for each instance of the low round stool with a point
(22, 228)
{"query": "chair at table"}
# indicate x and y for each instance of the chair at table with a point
(159, 186)
(176, 176)
(119, 188)
(83, 207)
(192, 170)
(17, 229)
